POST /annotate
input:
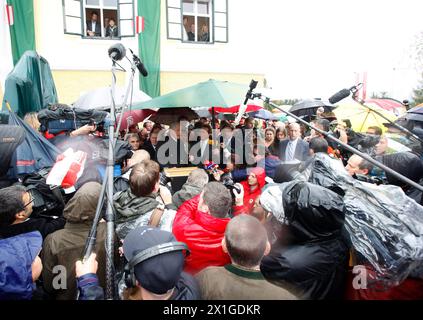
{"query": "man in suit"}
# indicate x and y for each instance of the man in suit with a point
(93, 26)
(293, 148)
(201, 150)
(151, 144)
(173, 151)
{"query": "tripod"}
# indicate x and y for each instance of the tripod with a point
(107, 190)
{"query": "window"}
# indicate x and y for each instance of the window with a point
(200, 21)
(99, 19)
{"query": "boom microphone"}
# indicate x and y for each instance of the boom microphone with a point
(117, 52)
(344, 93)
(339, 96)
(139, 64)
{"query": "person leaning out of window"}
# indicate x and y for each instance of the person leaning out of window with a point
(112, 29)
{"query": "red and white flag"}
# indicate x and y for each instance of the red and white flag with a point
(6, 57)
(9, 14)
(139, 27)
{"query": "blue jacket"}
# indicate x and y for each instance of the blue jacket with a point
(16, 257)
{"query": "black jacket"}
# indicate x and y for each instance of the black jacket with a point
(44, 225)
(150, 149)
(314, 261)
(172, 153)
(186, 288)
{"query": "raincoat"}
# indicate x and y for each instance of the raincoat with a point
(203, 234)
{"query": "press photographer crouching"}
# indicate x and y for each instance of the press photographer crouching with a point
(154, 270)
(309, 254)
(15, 214)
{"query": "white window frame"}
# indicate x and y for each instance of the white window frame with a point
(99, 8)
(210, 16)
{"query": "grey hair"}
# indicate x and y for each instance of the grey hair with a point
(198, 178)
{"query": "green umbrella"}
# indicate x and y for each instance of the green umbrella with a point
(211, 93)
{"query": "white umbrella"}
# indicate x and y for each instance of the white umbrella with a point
(100, 99)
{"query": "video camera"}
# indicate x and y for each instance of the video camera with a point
(212, 168)
(61, 118)
(371, 179)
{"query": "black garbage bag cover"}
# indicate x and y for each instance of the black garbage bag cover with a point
(406, 163)
(313, 213)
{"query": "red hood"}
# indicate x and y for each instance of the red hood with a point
(260, 174)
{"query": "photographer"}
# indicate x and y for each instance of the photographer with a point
(201, 224)
(249, 191)
(15, 214)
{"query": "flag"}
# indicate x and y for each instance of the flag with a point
(6, 55)
(9, 13)
(139, 24)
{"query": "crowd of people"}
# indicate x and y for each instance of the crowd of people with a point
(242, 226)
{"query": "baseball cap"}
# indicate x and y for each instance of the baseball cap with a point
(159, 273)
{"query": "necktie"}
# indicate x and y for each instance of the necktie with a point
(290, 151)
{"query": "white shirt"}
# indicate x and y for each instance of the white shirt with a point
(290, 149)
(93, 23)
(203, 145)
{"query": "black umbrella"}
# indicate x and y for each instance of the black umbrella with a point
(308, 108)
(169, 115)
(414, 114)
(10, 138)
(34, 153)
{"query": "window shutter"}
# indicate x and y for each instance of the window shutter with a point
(72, 17)
(220, 21)
(174, 18)
(126, 24)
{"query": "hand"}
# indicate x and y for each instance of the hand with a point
(165, 195)
(191, 158)
(217, 174)
(89, 266)
(239, 196)
(84, 130)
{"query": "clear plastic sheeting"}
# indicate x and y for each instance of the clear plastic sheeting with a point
(385, 226)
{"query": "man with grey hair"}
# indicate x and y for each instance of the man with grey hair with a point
(294, 148)
(201, 223)
(173, 150)
(246, 243)
(197, 179)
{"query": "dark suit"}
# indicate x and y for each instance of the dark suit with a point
(171, 153)
(97, 28)
(301, 150)
(148, 146)
(199, 159)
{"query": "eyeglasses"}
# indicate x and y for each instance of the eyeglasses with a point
(30, 201)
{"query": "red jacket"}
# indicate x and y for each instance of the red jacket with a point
(203, 234)
(251, 196)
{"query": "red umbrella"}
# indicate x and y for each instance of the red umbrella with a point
(133, 117)
(235, 109)
(389, 105)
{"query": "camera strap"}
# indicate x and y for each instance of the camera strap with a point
(155, 218)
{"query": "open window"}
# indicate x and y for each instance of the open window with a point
(197, 21)
(99, 19)
(72, 17)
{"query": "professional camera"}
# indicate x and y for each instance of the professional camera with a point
(371, 179)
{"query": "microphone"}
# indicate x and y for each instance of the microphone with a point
(340, 95)
(139, 64)
(253, 85)
(117, 52)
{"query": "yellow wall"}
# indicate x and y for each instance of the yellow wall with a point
(171, 81)
(71, 84)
